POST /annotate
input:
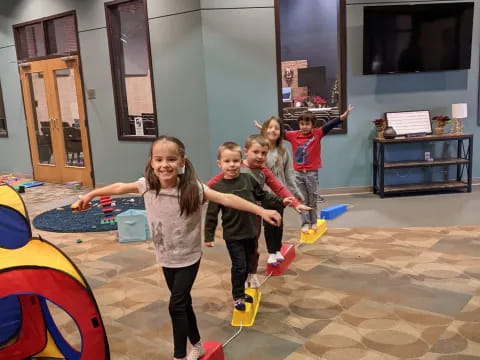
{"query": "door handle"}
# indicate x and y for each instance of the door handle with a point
(54, 123)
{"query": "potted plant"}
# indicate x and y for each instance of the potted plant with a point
(319, 101)
(299, 101)
(441, 120)
(380, 126)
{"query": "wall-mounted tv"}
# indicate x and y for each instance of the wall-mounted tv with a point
(417, 38)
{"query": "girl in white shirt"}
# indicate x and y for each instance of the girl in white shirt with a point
(173, 198)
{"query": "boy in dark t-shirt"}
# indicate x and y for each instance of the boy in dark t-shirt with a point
(239, 228)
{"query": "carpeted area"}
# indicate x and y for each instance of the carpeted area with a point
(358, 293)
(63, 220)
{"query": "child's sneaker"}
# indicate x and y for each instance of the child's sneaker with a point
(272, 260)
(279, 256)
(196, 353)
(248, 298)
(239, 304)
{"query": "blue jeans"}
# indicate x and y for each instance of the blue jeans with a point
(307, 182)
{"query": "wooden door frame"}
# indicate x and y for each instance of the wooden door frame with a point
(54, 111)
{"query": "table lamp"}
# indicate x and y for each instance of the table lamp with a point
(459, 111)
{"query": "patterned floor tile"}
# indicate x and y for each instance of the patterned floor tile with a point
(357, 293)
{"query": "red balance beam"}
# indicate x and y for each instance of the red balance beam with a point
(288, 252)
(213, 351)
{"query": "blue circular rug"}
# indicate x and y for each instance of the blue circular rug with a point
(64, 221)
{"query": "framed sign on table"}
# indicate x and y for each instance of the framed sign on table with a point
(410, 122)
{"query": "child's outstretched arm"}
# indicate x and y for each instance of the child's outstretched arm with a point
(257, 124)
(112, 189)
(278, 188)
(236, 202)
(333, 123)
(344, 116)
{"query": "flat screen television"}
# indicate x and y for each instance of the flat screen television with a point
(417, 38)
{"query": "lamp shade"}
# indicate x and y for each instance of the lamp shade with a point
(459, 111)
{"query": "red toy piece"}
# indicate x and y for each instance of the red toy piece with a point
(107, 210)
(213, 351)
(105, 201)
(288, 252)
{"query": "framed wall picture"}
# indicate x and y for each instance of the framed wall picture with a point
(409, 122)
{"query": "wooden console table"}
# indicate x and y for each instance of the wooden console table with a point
(463, 162)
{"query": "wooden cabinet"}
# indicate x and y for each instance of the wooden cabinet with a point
(462, 161)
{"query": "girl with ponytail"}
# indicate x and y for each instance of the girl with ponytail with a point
(173, 197)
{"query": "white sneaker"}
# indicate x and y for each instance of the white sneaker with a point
(272, 260)
(196, 353)
(279, 256)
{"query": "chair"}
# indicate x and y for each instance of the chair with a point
(73, 143)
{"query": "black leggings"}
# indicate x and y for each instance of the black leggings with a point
(184, 323)
(273, 234)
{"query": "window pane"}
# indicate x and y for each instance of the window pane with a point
(129, 47)
(70, 118)
(311, 60)
(61, 35)
(3, 120)
(41, 118)
(31, 41)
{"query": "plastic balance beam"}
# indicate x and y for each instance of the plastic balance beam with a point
(333, 211)
(313, 236)
(288, 252)
(247, 317)
(213, 351)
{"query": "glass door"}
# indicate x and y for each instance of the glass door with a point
(54, 107)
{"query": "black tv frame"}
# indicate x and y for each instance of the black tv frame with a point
(404, 6)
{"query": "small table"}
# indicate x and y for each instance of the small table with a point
(463, 162)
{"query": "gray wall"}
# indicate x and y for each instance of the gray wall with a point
(239, 50)
(177, 57)
(214, 72)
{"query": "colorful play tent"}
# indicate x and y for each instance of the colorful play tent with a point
(32, 271)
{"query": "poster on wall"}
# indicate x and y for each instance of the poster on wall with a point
(138, 126)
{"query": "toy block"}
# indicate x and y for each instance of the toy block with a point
(288, 252)
(312, 235)
(107, 210)
(213, 351)
(333, 211)
(108, 221)
(247, 317)
(105, 197)
(71, 184)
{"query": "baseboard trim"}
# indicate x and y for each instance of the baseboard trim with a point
(19, 175)
(346, 190)
(364, 189)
